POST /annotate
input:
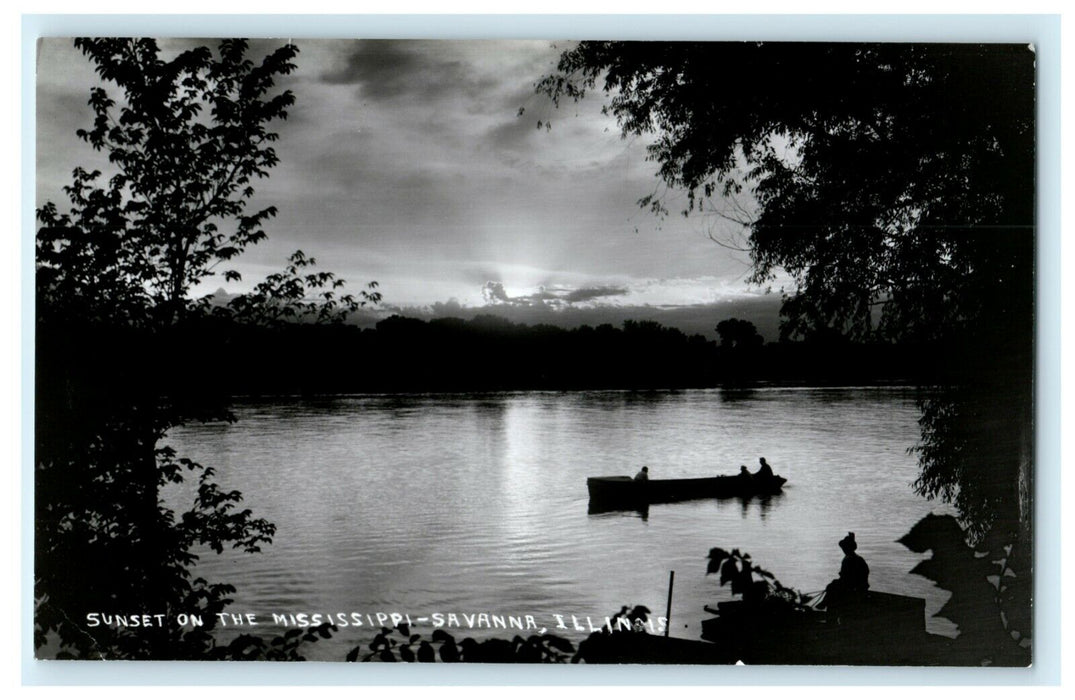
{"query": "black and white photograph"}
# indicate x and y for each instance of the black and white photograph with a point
(535, 351)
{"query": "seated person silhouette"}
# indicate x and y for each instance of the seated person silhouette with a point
(746, 480)
(765, 472)
(853, 581)
(642, 475)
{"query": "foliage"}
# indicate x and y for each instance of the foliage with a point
(285, 647)
(739, 334)
(737, 569)
(535, 649)
(741, 347)
(990, 584)
(185, 139)
(623, 639)
(870, 163)
(630, 619)
(975, 451)
(894, 183)
(296, 294)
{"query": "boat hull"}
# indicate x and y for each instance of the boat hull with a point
(882, 629)
(623, 491)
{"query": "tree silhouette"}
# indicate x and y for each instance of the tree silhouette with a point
(895, 184)
(987, 602)
(736, 333)
(117, 347)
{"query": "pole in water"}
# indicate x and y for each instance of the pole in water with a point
(668, 610)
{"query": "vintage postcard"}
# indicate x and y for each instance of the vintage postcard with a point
(543, 351)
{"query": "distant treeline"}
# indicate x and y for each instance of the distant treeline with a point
(486, 353)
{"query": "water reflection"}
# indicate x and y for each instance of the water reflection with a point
(523, 437)
(746, 504)
(736, 395)
(639, 511)
(763, 504)
(476, 502)
(628, 400)
(603, 510)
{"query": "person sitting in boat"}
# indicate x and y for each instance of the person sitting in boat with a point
(764, 472)
(854, 578)
(642, 475)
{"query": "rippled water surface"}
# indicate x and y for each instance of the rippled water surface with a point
(477, 503)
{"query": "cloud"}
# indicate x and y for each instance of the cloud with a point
(438, 185)
(592, 293)
(558, 297)
(493, 292)
(382, 68)
(389, 69)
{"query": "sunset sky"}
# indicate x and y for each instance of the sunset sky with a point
(407, 162)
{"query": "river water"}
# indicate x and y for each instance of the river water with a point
(472, 503)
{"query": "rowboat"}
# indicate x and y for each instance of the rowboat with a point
(880, 629)
(623, 491)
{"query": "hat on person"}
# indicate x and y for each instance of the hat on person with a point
(848, 543)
